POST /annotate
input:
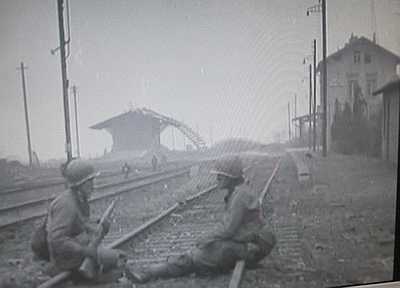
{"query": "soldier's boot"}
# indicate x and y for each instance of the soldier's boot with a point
(152, 273)
(135, 276)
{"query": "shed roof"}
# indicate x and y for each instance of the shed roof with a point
(110, 121)
(388, 86)
(306, 117)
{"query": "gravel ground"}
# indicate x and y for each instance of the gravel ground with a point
(336, 230)
(179, 233)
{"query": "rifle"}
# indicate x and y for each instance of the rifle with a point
(87, 268)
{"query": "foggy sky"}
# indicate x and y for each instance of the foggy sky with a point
(226, 68)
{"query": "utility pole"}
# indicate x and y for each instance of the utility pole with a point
(28, 135)
(288, 107)
(321, 7)
(295, 115)
(173, 138)
(211, 135)
(68, 146)
(396, 262)
(76, 123)
(324, 82)
(310, 104)
(315, 94)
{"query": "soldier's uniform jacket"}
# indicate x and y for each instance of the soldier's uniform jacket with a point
(242, 215)
(241, 221)
(67, 230)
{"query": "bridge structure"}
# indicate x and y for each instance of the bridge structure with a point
(140, 130)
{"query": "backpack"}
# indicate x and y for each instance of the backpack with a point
(39, 243)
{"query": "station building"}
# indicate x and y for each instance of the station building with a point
(361, 64)
(139, 130)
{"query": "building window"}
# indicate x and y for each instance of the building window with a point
(367, 58)
(357, 57)
(371, 86)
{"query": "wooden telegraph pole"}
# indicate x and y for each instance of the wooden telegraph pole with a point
(310, 105)
(315, 94)
(288, 107)
(28, 135)
(76, 122)
(324, 82)
(68, 146)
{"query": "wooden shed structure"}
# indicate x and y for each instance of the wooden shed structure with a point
(140, 130)
(390, 123)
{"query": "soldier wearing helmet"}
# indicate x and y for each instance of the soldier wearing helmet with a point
(243, 235)
(68, 227)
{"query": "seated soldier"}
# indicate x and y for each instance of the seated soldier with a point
(244, 235)
(68, 227)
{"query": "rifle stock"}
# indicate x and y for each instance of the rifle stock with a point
(88, 267)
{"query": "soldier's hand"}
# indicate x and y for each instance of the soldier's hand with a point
(90, 252)
(105, 226)
(252, 249)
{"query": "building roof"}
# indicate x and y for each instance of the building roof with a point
(388, 86)
(109, 122)
(354, 41)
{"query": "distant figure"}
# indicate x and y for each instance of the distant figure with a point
(243, 234)
(163, 160)
(126, 169)
(154, 162)
(308, 155)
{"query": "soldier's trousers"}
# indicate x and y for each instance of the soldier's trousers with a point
(204, 261)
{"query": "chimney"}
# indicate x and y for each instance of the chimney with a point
(374, 37)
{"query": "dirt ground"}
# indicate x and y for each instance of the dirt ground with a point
(348, 217)
(336, 229)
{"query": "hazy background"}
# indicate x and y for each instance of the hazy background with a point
(226, 68)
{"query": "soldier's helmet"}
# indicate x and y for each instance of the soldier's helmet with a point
(231, 167)
(78, 172)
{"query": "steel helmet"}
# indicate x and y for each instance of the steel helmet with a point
(78, 172)
(231, 167)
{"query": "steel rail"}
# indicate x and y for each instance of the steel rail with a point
(58, 279)
(96, 188)
(238, 272)
(55, 181)
(169, 175)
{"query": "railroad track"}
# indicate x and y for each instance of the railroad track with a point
(173, 232)
(37, 208)
(53, 181)
(33, 191)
